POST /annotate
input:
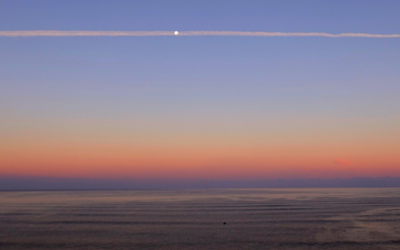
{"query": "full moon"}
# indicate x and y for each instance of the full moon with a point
(176, 33)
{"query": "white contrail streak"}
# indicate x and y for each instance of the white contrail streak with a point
(59, 33)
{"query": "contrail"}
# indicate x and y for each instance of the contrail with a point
(60, 33)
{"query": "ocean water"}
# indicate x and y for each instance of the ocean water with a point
(194, 219)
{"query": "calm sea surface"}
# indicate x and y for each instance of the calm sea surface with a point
(194, 219)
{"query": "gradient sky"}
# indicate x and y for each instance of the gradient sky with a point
(203, 107)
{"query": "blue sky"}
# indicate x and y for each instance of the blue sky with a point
(201, 85)
(192, 60)
(370, 16)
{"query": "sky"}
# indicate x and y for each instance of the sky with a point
(215, 108)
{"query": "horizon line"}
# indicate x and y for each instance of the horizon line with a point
(76, 33)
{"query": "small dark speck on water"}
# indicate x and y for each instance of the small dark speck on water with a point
(224, 223)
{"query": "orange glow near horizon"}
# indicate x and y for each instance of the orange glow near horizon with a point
(198, 161)
(206, 148)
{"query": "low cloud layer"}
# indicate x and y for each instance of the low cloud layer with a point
(58, 33)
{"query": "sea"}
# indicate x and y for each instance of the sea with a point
(337, 218)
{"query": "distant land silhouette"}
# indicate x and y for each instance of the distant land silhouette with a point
(43, 183)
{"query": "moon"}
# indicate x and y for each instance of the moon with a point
(176, 33)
